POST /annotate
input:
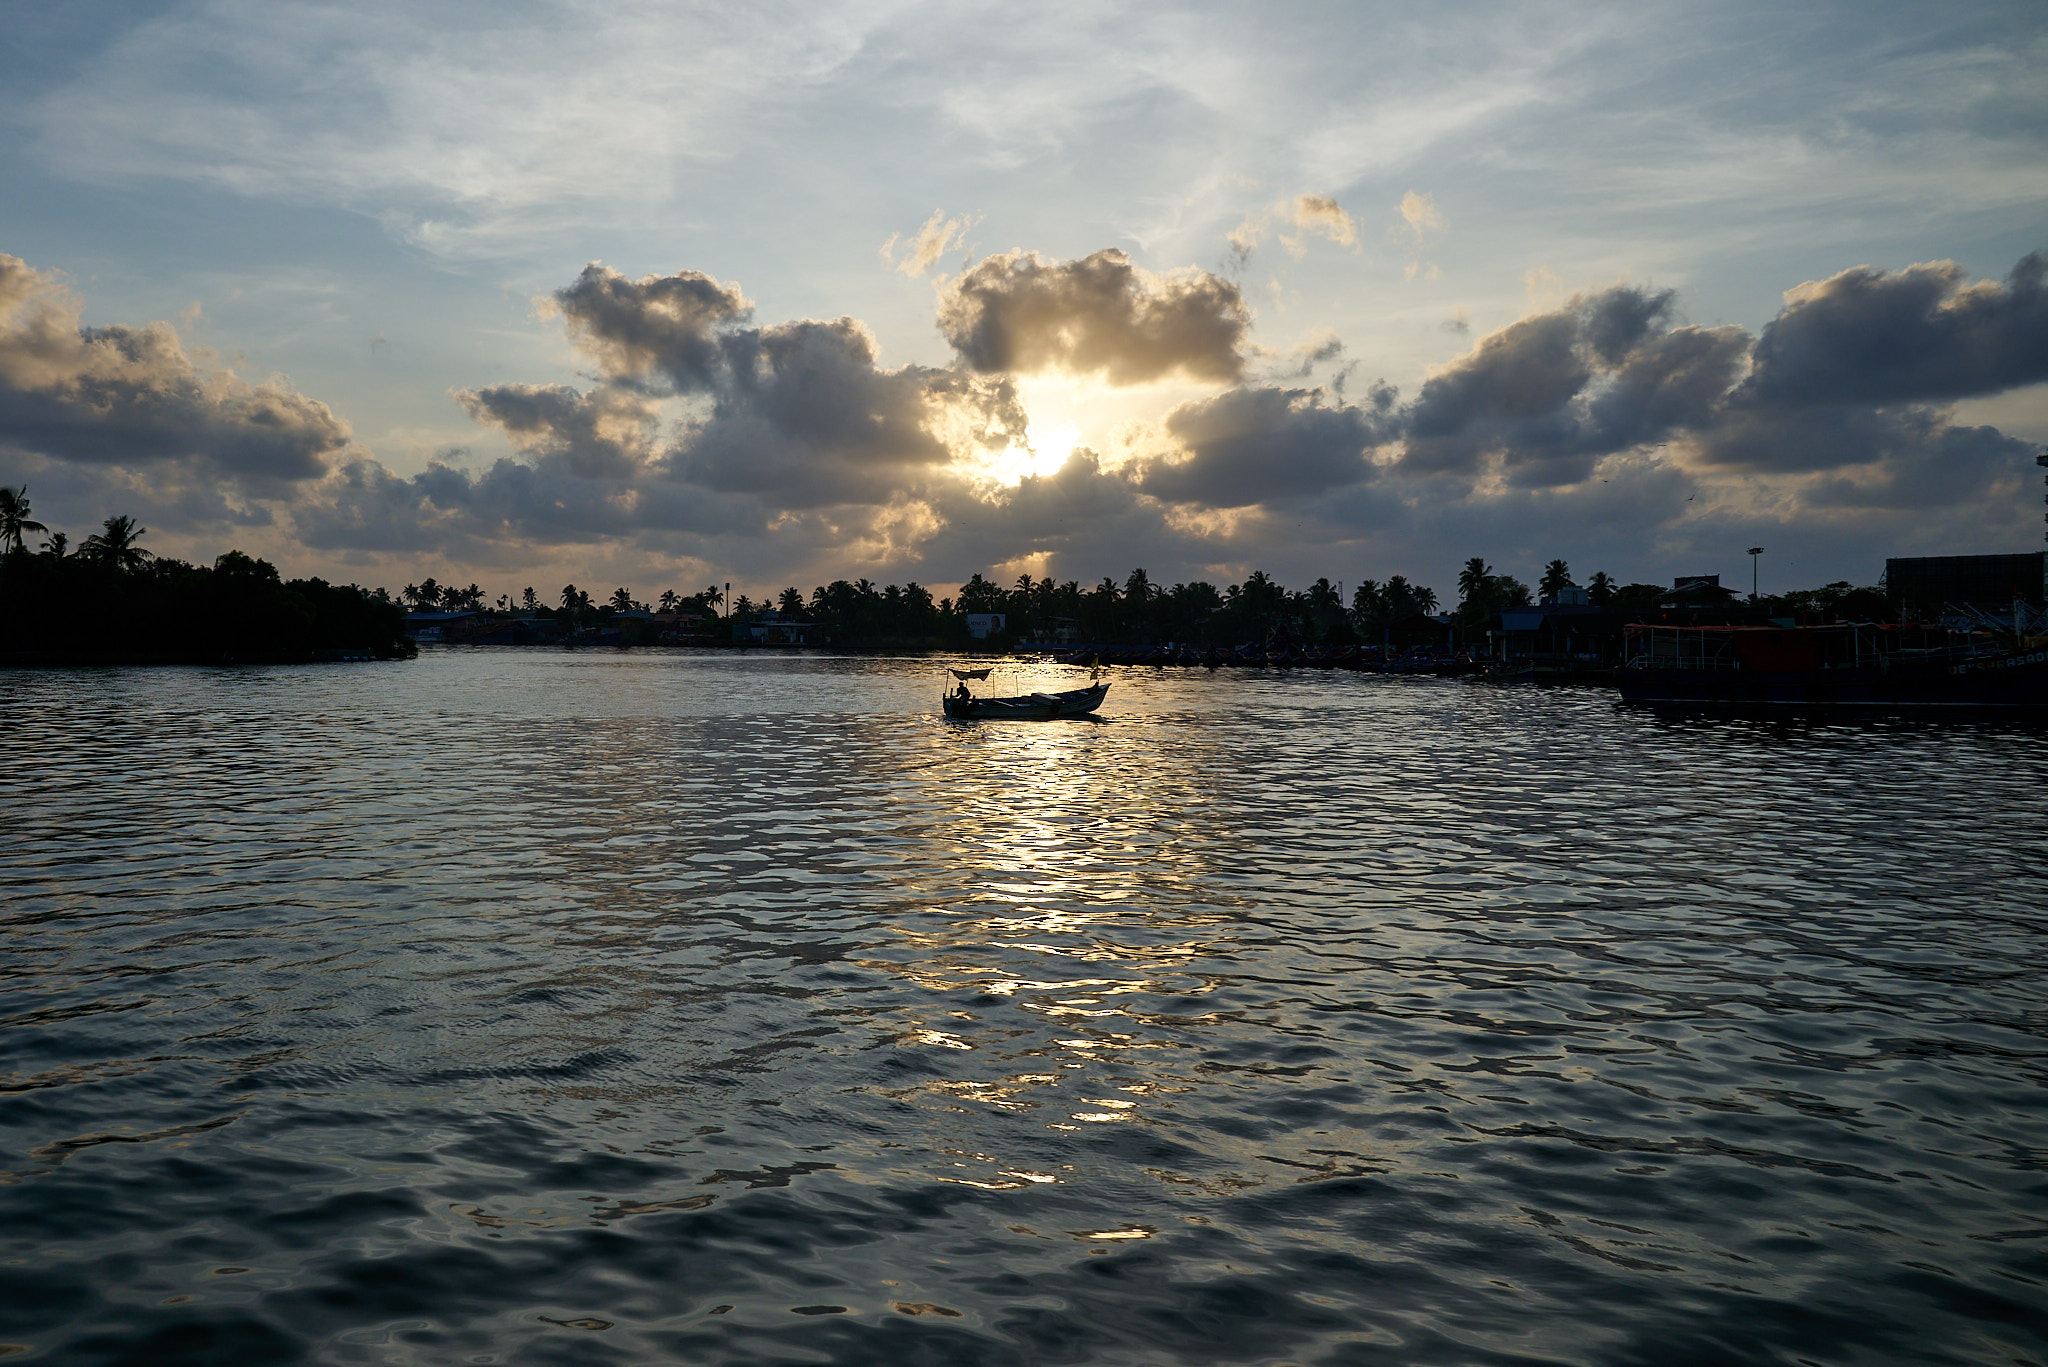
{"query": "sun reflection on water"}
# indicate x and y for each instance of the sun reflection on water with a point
(1073, 960)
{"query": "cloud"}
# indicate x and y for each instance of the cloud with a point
(1420, 213)
(1080, 514)
(785, 450)
(1257, 446)
(510, 509)
(135, 403)
(1419, 218)
(1831, 396)
(1510, 396)
(1306, 215)
(604, 434)
(1019, 313)
(800, 414)
(1549, 394)
(938, 236)
(1322, 215)
(1922, 333)
(807, 419)
(1665, 382)
(1925, 463)
(666, 324)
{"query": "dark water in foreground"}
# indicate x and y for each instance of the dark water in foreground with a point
(542, 1008)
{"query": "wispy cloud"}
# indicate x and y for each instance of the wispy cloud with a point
(923, 251)
(1293, 223)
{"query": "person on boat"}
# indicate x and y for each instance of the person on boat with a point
(961, 692)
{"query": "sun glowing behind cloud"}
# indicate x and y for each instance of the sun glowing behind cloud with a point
(1043, 450)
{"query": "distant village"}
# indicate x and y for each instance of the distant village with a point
(55, 603)
(1560, 625)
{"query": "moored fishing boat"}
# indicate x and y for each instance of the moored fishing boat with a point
(1857, 666)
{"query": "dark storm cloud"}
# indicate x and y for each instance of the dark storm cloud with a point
(1923, 333)
(667, 324)
(1252, 446)
(128, 396)
(1100, 315)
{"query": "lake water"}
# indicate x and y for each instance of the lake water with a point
(538, 1007)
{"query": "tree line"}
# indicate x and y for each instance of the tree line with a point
(1133, 610)
(112, 601)
(1137, 610)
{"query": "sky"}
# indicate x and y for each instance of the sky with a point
(666, 295)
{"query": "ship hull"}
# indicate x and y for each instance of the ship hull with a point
(2013, 681)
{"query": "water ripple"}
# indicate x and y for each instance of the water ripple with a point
(549, 1007)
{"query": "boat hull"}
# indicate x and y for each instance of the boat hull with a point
(2015, 680)
(1078, 702)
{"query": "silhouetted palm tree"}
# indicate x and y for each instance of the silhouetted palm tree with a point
(668, 600)
(530, 600)
(1425, 600)
(1600, 587)
(622, 599)
(1557, 577)
(57, 546)
(115, 544)
(14, 518)
(1475, 578)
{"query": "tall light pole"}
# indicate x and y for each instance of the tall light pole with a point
(1754, 552)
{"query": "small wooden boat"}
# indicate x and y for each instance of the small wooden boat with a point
(1075, 702)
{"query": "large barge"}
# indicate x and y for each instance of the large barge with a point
(1852, 666)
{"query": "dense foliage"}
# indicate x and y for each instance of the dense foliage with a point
(862, 614)
(1137, 610)
(113, 601)
(103, 609)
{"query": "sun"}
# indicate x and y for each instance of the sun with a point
(1044, 450)
(1050, 446)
